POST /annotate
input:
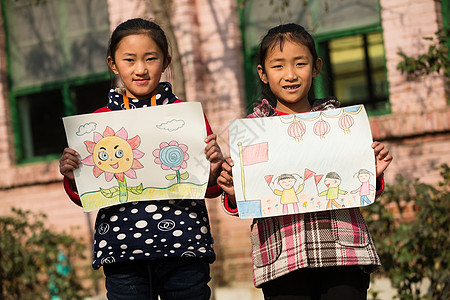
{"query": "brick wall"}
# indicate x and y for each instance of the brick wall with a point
(417, 131)
(222, 96)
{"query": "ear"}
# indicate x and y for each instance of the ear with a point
(262, 74)
(167, 62)
(317, 67)
(112, 65)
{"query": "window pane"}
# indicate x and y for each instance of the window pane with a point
(56, 40)
(41, 125)
(348, 69)
(377, 63)
(357, 66)
(91, 97)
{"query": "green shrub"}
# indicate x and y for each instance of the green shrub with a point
(415, 250)
(36, 263)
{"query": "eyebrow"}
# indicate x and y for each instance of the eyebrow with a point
(115, 147)
(147, 53)
(282, 59)
(103, 148)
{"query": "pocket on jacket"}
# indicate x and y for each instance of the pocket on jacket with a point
(349, 228)
(266, 241)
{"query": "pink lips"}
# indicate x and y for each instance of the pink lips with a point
(141, 81)
(115, 166)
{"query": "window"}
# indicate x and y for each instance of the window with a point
(56, 67)
(349, 40)
(355, 66)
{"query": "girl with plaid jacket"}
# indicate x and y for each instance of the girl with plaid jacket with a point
(319, 255)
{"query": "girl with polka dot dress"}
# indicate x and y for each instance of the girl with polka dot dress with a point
(149, 248)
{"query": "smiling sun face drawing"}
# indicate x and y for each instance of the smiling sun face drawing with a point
(114, 154)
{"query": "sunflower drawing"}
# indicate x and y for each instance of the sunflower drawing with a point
(117, 156)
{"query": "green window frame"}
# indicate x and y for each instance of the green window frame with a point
(445, 9)
(376, 92)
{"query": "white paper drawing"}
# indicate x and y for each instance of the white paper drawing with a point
(141, 154)
(303, 163)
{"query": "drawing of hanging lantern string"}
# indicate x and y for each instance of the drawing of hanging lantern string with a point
(298, 128)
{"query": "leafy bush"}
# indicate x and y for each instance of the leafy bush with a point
(36, 263)
(415, 250)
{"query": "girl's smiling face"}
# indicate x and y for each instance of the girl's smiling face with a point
(139, 62)
(289, 71)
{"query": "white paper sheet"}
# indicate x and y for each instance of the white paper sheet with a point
(303, 163)
(140, 154)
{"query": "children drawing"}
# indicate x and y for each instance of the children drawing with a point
(365, 188)
(332, 181)
(325, 253)
(147, 248)
(288, 193)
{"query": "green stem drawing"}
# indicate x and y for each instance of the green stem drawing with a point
(123, 192)
(178, 176)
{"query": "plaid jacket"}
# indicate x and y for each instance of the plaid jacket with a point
(284, 244)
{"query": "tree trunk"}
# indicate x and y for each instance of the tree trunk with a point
(161, 11)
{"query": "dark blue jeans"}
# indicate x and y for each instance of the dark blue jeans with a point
(169, 278)
(333, 283)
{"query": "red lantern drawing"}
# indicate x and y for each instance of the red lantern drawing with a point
(321, 128)
(297, 129)
(345, 122)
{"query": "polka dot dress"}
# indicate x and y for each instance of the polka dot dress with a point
(152, 229)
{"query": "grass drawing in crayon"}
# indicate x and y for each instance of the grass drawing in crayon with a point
(113, 154)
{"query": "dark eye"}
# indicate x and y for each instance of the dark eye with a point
(119, 153)
(103, 155)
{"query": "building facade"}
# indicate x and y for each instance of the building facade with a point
(52, 64)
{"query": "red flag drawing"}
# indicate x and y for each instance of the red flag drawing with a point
(250, 155)
(308, 174)
(254, 154)
(268, 179)
(317, 178)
